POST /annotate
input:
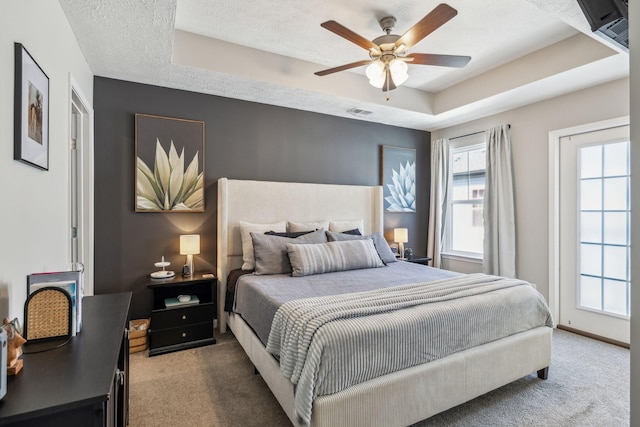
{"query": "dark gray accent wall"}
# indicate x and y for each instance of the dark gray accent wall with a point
(243, 140)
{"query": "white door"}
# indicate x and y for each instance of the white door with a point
(594, 232)
(81, 187)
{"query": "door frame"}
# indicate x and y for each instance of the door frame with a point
(86, 183)
(554, 201)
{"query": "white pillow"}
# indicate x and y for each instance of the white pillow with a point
(340, 226)
(293, 227)
(246, 228)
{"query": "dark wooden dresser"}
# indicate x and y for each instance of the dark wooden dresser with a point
(83, 383)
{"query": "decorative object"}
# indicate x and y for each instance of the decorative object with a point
(174, 148)
(189, 246)
(162, 274)
(31, 111)
(401, 235)
(69, 281)
(408, 253)
(48, 313)
(398, 177)
(14, 345)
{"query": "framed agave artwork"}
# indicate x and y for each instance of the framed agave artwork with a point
(169, 164)
(398, 177)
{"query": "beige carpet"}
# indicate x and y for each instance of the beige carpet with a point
(588, 385)
(206, 386)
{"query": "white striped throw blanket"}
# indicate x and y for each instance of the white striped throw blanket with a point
(327, 344)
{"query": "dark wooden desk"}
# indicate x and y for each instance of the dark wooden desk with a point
(83, 383)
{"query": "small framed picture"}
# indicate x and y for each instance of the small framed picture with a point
(31, 111)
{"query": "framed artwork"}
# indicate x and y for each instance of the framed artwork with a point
(169, 164)
(398, 178)
(31, 111)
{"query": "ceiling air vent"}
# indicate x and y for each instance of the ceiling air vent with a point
(358, 112)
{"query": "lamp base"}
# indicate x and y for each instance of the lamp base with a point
(187, 269)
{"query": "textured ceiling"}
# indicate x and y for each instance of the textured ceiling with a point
(264, 51)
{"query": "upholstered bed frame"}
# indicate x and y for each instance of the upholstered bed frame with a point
(396, 399)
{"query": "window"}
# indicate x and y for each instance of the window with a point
(465, 231)
(604, 220)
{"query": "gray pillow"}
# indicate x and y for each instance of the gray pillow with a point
(382, 247)
(270, 252)
(333, 256)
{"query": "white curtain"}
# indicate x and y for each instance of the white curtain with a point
(499, 209)
(440, 191)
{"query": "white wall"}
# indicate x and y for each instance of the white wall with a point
(530, 126)
(35, 204)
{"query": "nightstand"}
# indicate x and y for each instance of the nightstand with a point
(417, 260)
(179, 325)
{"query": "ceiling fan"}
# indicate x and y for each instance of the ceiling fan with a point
(388, 53)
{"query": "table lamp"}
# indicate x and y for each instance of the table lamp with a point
(401, 235)
(189, 246)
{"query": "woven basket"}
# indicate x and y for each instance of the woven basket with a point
(138, 328)
(138, 340)
(138, 348)
(135, 342)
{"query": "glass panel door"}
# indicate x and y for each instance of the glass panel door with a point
(595, 282)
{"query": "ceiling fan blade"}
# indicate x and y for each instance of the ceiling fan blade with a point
(439, 60)
(343, 67)
(388, 82)
(346, 33)
(434, 19)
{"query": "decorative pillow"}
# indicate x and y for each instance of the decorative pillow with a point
(382, 247)
(290, 234)
(302, 226)
(332, 256)
(339, 226)
(271, 251)
(246, 228)
(354, 232)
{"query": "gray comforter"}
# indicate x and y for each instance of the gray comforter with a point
(327, 344)
(257, 298)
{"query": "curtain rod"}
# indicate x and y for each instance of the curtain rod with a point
(474, 133)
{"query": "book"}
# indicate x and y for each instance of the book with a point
(175, 302)
(70, 281)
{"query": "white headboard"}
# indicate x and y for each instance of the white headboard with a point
(268, 202)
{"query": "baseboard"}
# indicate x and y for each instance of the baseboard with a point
(594, 336)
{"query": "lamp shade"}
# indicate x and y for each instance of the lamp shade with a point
(189, 244)
(400, 235)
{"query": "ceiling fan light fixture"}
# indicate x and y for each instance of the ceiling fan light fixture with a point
(398, 71)
(376, 73)
(388, 53)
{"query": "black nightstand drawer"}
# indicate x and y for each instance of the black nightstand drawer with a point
(186, 315)
(180, 335)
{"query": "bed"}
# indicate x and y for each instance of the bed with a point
(397, 398)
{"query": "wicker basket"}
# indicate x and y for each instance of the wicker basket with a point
(138, 335)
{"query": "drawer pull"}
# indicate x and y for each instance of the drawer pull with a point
(184, 317)
(184, 335)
